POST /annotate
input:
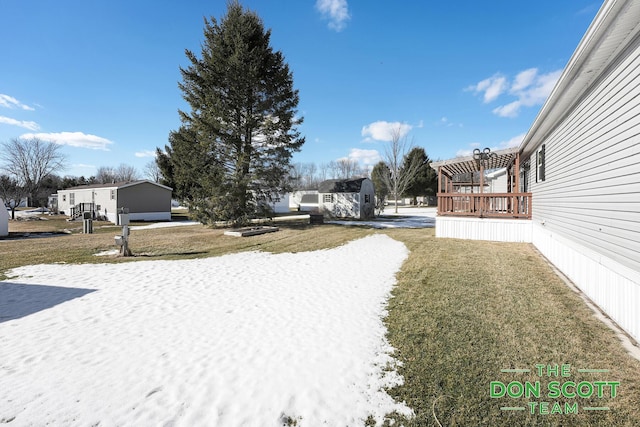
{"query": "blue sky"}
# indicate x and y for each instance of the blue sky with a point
(100, 77)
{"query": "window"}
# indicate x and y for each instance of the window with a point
(64, 197)
(367, 198)
(72, 198)
(113, 194)
(327, 198)
(540, 164)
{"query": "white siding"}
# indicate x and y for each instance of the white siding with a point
(591, 194)
(344, 205)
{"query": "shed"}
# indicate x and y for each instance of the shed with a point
(4, 219)
(347, 198)
(146, 200)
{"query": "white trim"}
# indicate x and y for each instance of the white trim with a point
(492, 229)
(612, 286)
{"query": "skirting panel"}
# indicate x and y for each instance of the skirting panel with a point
(499, 230)
(612, 286)
(142, 216)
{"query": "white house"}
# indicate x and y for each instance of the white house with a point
(4, 220)
(347, 198)
(574, 183)
(146, 200)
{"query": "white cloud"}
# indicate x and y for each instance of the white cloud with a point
(384, 131)
(523, 80)
(10, 102)
(337, 11)
(513, 142)
(21, 123)
(540, 89)
(73, 139)
(510, 110)
(146, 153)
(364, 157)
(529, 87)
(491, 88)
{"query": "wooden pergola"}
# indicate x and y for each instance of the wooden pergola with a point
(453, 202)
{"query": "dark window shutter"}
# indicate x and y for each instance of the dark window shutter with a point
(542, 165)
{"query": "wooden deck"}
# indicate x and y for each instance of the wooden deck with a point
(485, 205)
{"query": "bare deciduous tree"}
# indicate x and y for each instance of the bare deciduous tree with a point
(402, 168)
(105, 175)
(11, 193)
(347, 168)
(152, 171)
(123, 173)
(323, 171)
(126, 173)
(30, 161)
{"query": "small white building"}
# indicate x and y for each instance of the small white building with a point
(347, 198)
(4, 220)
(146, 200)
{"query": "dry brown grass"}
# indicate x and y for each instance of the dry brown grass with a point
(464, 310)
(164, 243)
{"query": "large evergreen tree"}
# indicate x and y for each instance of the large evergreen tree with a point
(234, 147)
(380, 177)
(425, 182)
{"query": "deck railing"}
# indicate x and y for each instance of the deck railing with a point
(485, 205)
(79, 209)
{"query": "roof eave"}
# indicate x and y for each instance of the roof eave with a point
(587, 64)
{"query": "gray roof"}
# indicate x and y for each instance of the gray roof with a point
(120, 184)
(341, 185)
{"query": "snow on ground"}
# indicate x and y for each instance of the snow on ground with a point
(164, 225)
(407, 217)
(252, 339)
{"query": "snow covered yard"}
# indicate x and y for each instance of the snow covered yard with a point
(251, 339)
(407, 217)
